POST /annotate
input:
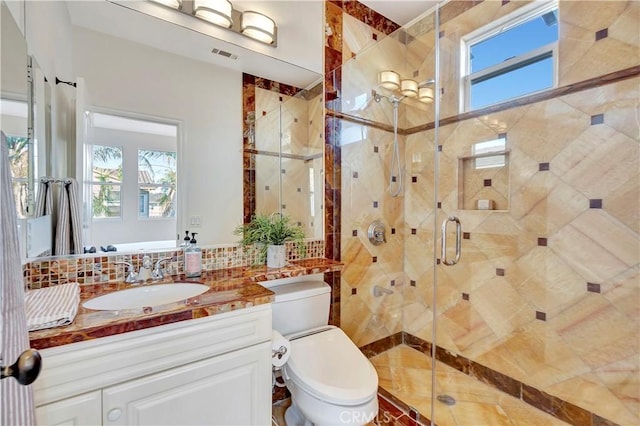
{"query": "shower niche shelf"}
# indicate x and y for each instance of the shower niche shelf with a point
(483, 181)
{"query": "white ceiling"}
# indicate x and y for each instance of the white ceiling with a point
(400, 11)
(297, 60)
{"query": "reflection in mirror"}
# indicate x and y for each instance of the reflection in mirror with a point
(132, 193)
(289, 150)
(14, 106)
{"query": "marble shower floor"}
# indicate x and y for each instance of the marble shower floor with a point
(406, 374)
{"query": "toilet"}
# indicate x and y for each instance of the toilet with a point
(330, 380)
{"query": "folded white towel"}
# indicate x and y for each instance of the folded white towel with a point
(52, 306)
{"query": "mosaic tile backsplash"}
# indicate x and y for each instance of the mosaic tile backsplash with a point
(102, 268)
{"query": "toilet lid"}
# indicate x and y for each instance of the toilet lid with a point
(329, 366)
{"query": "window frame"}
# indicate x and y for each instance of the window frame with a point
(507, 22)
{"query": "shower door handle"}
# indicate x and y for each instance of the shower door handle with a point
(458, 240)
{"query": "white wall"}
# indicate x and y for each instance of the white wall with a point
(207, 100)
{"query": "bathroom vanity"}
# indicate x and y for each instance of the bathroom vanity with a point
(212, 370)
(205, 360)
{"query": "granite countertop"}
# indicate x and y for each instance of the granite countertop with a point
(230, 289)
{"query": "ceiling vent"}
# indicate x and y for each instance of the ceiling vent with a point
(224, 53)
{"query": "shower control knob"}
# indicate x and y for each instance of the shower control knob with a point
(376, 233)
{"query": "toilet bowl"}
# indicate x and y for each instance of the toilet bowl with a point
(330, 380)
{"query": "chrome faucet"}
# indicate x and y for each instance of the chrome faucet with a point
(132, 277)
(145, 271)
(157, 273)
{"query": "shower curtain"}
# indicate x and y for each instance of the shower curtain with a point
(16, 401)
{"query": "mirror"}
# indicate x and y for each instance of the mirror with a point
(289, 144)
(202, 100)
(14, 106)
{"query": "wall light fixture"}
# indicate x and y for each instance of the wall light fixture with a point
(258, 26)
(217, 12)
(221, 13)
(407, 87)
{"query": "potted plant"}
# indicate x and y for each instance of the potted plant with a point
(269, 233)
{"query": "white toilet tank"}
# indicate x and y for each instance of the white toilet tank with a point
(301, 303)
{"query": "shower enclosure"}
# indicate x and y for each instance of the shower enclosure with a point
(537, 322)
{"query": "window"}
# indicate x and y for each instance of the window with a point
(512, 57)
(13, 116)
(480, 149)
(132, 187)
(19, 164)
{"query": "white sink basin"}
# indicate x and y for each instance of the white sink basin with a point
(139, 297)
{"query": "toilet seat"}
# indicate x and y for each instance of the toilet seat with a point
(329, 366)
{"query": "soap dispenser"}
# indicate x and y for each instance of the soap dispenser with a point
(192, 258)
(186, 240)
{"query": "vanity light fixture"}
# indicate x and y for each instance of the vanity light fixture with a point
(389, 79)
(174, 4)
(217, 12)
(425, 94)
(409, 88)
(254, 25)
(258, 26)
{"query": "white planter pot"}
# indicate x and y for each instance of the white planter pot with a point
(276, 257)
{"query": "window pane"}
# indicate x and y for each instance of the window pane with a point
(18, 156)
(516, 41)
(528, 79)
(157, 167)
(156, 201)
(20, 196)
(487, 147)
(107, 164)
(105, 201)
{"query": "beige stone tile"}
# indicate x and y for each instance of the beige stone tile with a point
(599, 162)
(593, 396)
(581, 57)
(563, 205)
(585, 256)
(624, 204)
(624, 292)
(546, 128)
(503, 314)
(623, 379)
(612, 235)
(485, 414)
(592, 324)
(464, 326)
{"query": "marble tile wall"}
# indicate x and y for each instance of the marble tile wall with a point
(302, 137)
(540, 292)
(547, 291)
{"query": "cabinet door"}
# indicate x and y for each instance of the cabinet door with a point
(230, 389)
(83, 409)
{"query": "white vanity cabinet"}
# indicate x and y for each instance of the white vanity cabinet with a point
(213, 370)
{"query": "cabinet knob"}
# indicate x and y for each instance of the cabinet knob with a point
(114, 414)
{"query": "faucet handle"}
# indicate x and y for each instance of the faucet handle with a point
(157, 273)
(131, 275)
